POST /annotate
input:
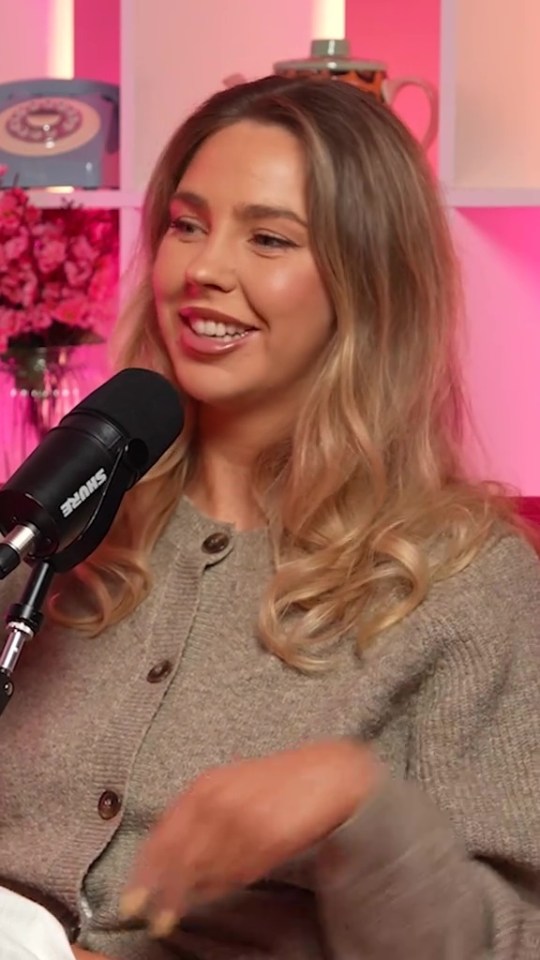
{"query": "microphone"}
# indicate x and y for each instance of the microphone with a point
(105, 444)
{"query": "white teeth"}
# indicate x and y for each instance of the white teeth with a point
(211, 328)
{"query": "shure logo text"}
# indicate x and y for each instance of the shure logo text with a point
(82, 494)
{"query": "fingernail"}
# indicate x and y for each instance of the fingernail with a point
(132, 902)
(163, 924)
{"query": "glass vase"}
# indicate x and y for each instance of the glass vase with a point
(39, 386)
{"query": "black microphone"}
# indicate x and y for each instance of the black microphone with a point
(120, 430)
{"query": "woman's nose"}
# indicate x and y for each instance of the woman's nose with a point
(212, 266)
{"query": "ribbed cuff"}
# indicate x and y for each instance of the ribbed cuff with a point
(395, 881)
(397, 824)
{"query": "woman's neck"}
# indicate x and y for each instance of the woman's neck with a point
(222, 484)
(221, 488)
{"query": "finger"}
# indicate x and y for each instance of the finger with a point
(168, 869)
(153, 906)
(164, 842)
(184, 874)
(134, 901)
(167, 919)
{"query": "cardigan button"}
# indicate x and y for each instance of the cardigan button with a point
(160, 671)
(216, 542)
(109, 805)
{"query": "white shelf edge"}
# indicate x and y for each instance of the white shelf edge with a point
(132, 199)
(98, 199)
(463, 197)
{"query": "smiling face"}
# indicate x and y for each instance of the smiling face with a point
(241, 306)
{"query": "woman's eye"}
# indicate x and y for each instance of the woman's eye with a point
(269, 241)
(184, 226)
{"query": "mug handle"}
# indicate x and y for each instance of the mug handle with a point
(391, 88)
(233, 80)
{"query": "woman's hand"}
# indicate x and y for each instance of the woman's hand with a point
(236, 823)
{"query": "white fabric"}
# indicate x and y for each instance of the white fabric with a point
(29, 932)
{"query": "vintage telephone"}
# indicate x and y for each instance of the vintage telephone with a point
(57, 132)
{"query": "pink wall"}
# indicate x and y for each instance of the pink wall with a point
(500, 252)
(97, 61)
(25, 38)
(24, 50)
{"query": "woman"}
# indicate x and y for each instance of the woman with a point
(315, 642)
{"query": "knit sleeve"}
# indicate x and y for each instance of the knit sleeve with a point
(446, 864)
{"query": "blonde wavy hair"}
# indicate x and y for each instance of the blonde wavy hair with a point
(367, 503)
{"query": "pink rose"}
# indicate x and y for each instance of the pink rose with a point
(50, 254)
(17, 245)
(33, 215)
(48, 230)
(29, 286)
(104, 283)
(10, 325)
(38, 318)
(51, 293)
(20, 284)
(12, 210)
(77, 274)
(80, 249)
(102, 233)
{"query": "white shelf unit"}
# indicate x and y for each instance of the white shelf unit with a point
(490, 104)
(489, 166)
(474, 197)
(103, 199)
(489, 154)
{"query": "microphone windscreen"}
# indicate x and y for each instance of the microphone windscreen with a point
(143, 404)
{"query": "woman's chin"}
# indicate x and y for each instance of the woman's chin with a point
(219, 397)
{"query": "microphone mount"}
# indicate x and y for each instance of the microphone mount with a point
(24, 619)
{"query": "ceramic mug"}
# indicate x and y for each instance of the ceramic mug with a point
(330, 58)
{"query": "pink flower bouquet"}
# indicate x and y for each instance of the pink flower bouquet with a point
(58, 273)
